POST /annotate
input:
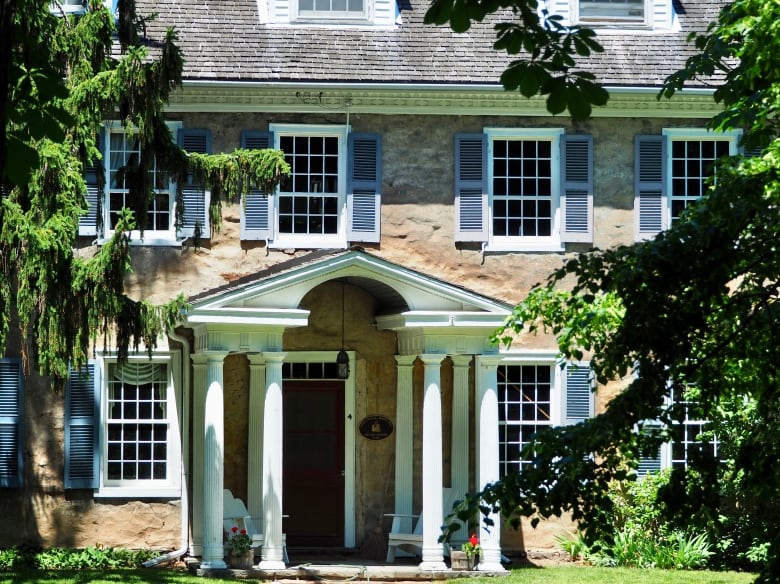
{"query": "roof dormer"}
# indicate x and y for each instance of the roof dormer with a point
(336, 13)
(654, 15)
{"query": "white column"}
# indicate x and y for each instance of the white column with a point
(404, 436)
(273, 548)
(198, 423)
(487, 457)
(213, 462)
(459, 478)
(432, 479)
(255, 442)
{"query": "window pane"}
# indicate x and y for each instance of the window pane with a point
(137, 428)
(612, 10)
(524, 409)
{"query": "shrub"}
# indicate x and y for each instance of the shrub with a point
(91, 558)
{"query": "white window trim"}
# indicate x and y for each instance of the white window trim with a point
(336, 240)
(545, 358)
(171, 487)
(691, 134)
(331, 17)
(646, 21)
(550, 243)
(168, 237)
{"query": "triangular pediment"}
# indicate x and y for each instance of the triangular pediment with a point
(405, 297)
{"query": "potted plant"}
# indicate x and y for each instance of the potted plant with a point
(241, 554)
(472, 550)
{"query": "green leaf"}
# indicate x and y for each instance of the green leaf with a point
(22, 159)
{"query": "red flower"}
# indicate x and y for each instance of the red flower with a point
(474, 540)
(243, 531)
(234, 529)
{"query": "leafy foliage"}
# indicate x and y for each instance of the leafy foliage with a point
(61, 77)
(642, 537)
(90, 558)
(546, 49)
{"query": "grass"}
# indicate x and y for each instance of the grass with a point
(553, 575)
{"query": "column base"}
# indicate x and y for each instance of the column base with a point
(490, 567)
(271, 565)
(432, 566)
(213, 565)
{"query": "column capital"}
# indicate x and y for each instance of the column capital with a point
(256, 359)
(461, 360)
(405, 360)
(432, 358)
(489, 360)
(274, 356)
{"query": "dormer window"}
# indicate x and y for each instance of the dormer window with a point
(612, 11)
(328, 9)
(68, 6)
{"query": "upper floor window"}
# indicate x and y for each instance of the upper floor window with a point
(534, 396)
(612, 11)
(523, 189)
(165, 223)
(671, 172)
(332, 9)
(635, 15)
(331, 196)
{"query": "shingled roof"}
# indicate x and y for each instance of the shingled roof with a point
(223, 40)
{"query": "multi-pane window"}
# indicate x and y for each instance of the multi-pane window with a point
(692, 163)
(121, 157)
(334, 7)
(137, 424)
(689, 435)
(522, 188)
(309, 198)
(525, 407)
(617, 11)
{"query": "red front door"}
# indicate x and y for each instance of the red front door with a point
(313, 483)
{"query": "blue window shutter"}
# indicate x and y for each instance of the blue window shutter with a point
(257, 208)
(471, 212)
(364, 184)
(652, 463)
(577, 188)
(578, 393)
(82, 429)
(649, 186)
(88, 223)
(11, 423)
(195, 197)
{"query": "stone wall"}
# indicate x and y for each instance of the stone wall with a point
(417, 232)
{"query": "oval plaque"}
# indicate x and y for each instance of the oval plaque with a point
(376, 427)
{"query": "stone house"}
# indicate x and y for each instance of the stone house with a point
(424, 202)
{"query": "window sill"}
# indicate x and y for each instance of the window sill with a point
(138, 492)
(525, 247)
(148, 241)
(308, 243)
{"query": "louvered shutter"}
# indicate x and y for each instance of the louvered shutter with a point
(257, 208)
(10, 423)
(88, 223)
(364, 183)
(649, 186)
(471, 212)
(577, 188)
(82, 417)
(578, 394)
(652, 463)
(196, 198)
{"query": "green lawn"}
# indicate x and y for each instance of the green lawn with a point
(556, 575)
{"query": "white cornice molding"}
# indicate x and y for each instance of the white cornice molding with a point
(428, 99)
